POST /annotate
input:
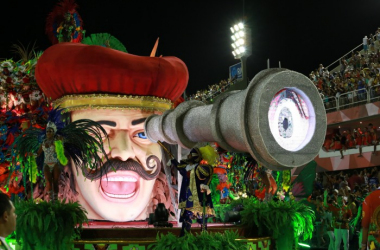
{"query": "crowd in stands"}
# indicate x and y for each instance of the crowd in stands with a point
(352, 186)
(349, 139)
(358, 75)
(358, 72)
(212, 91)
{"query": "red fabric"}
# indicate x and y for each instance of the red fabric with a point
(337, 145)
(178, 101)
(219, 170)
(222, 185)
(365, 139)
(350, 141)
(336, 211)
(359, 140)
(71, 68)
(327, 144)
(371, 202)
(354, 179)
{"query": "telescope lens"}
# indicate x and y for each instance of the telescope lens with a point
(291, 119)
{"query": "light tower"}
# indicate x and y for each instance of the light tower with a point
(241, 45)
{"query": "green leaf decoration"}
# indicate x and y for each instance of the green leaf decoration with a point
(277, 218)
(105, 40)
(57, 229)
(201, 241)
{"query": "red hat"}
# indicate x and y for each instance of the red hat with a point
(79, 76)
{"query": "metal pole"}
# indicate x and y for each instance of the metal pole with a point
(244, 70)
(279, 64)
(268, 64)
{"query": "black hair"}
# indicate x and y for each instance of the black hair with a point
(5, 204)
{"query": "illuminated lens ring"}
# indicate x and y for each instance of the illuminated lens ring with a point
(261, 141)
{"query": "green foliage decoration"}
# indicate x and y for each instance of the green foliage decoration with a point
(105, 40)
(275, 216)
(215, 193)
(202, 241)
(48, 225)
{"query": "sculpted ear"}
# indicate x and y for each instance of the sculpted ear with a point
(5, 216)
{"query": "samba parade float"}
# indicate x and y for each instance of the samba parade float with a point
(100, 150)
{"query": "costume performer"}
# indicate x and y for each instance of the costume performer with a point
(341, 218)
(81, 141)
(196, 171)
(370, 221)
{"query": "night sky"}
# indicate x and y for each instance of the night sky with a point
(300, 34)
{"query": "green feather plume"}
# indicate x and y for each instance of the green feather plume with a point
(21, 149)
(33, 169)
(83, 143)
(60, 152)
(105, 40)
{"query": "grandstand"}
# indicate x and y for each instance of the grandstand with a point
(351, 95)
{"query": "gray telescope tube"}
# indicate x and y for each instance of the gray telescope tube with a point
(238, 121)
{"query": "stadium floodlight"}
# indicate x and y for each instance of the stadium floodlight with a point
(241, 40)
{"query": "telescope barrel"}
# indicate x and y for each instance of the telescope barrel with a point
(279, 119)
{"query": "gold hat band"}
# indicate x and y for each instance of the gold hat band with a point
(106, 101)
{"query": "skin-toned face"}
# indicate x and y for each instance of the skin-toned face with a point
(10, 220)
(49, 133)
(124, 196)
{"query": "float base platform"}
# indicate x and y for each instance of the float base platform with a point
(139, 235)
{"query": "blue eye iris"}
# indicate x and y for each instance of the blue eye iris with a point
(141, 135)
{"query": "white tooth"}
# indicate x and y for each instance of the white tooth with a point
(127, 179)
(120, 196)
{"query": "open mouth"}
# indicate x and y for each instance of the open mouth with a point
(119, 186)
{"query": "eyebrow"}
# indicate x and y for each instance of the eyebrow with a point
(108, 123)
(138, 121)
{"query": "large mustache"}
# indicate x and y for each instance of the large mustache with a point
(129, 165)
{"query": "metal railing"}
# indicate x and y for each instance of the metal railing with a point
(336, 63)
(330, 103)
(352, 98)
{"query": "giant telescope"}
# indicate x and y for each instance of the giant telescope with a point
(279, 119)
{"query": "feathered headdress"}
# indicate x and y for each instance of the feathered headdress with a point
(209, 155)
(64, 23)
(52, 126)
(80, 141)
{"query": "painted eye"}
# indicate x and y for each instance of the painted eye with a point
(291, 119)
(141, 135)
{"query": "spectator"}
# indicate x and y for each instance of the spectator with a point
(342, 182)
(354, 179)
(7, 219)
(365, 44)
(341, 216)
(358, 141)
(373, 135)
(328, 221)
(343, 140)
(373, 182)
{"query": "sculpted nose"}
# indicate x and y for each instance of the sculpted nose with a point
(121, 146)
